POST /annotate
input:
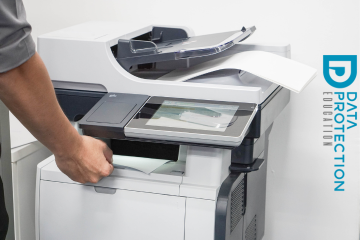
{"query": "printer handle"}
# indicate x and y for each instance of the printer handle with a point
(104, 190)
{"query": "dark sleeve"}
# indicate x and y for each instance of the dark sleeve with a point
(16, 43)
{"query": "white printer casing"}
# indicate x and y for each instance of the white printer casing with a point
(133, 205)
(84, 61)
(207, 194)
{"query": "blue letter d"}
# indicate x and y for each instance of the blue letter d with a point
(340, 70)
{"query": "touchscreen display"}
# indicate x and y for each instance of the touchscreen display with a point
(192, 115)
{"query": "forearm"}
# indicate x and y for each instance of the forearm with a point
(28, 93)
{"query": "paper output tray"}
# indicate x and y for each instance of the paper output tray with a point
(176, 45)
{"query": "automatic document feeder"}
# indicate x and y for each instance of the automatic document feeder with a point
(212, 132)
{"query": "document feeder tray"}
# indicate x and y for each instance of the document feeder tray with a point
(167, 44)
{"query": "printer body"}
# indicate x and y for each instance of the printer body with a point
(213, 130)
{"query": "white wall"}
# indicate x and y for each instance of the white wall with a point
(301, 201)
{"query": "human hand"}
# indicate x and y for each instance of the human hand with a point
(83, 159)
(89, 160)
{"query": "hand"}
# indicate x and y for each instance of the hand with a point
(29, 94)
(88, 161)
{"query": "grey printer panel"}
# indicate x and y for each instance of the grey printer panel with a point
(110, 115)
(170, 120)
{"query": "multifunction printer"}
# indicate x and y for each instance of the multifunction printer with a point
(190, 153)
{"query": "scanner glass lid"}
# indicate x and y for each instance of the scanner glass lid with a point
(201, 117)
(193, 115)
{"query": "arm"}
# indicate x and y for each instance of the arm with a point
(28, 93)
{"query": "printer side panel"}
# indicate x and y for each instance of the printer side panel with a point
(254, 218)
(37, 194)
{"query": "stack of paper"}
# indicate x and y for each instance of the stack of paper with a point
(145, 165)
(280, 70)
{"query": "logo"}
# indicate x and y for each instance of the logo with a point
(112, 95)
(339, 113)
(340, 70)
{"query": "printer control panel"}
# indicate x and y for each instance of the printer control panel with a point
(164, 119)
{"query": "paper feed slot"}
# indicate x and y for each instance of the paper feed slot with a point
(145, 165)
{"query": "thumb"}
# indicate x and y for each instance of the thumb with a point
(108, 168)
(111, 168)
(108, 153)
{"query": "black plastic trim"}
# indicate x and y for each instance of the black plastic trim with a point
(76, 103)
(242, 168)
(222, 216)
(244, 153)
(145, 149)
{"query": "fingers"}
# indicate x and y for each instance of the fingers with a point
(79, 180)
(92, 162)
(111, 169)
(108, 153)
(93, 179)
(107, 170)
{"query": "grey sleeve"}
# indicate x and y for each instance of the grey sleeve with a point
(16, 43)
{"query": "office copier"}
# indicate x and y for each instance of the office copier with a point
(212, 130)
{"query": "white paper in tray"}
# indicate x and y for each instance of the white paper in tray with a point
(146, 165)
(280, 70)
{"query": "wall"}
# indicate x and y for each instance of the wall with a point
(301, 202)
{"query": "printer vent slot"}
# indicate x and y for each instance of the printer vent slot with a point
(237, 205)
(250, 233)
